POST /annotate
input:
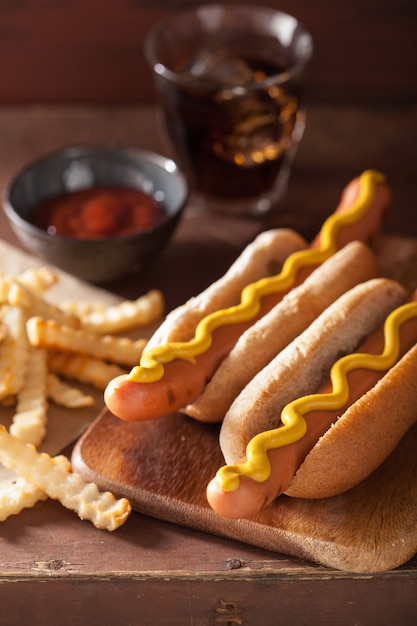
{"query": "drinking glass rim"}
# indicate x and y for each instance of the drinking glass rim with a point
(161, 69)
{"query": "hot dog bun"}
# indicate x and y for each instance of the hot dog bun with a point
(304, 364)
(383, 415)
(353, 264)
(263, 257)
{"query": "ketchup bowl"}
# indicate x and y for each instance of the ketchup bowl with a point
(98, 212)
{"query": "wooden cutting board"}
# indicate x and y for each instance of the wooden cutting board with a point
(163, 467)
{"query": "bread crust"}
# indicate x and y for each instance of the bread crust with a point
(382, 416)
(353, 264)
(305, 363)
(263, 257)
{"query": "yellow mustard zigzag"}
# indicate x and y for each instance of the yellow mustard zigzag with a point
(257, 465)
(152, 361)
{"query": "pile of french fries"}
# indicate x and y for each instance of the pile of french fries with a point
(46, 350)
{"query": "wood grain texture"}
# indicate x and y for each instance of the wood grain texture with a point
(74, 51)
(163, 467)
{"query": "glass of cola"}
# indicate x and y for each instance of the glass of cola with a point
(229, 80)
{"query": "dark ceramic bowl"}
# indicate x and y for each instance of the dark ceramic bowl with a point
(80, 167)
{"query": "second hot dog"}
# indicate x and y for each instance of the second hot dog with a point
(341, 445)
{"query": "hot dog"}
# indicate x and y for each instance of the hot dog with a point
(171, 376)
(349, 429)
(260, 343)
(303, 365)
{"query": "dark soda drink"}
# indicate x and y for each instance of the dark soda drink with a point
(233, 134)
(229, 80)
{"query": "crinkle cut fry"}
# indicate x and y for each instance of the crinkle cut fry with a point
(13, 351)
(19, 494)
(127, 314)
(30, 418)
(101, 508)
(82, 308)
(18, 295)
(51, 334)
(84, 369)
(37, 279)
(65, 395)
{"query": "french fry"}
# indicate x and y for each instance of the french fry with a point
(19, 494)
(37, 279)
(101, 508)
(39, 342)
(50, 334)
(29, 420)
(81, 308)
(126, 315)
(65, 395)
(14, 350)
(18, 295)
(5, 282)
(84, 369)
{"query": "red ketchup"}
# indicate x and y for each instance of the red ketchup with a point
(98, 212)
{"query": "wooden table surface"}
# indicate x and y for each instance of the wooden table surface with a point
(56, 569)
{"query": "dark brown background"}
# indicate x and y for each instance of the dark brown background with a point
(90, 51)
